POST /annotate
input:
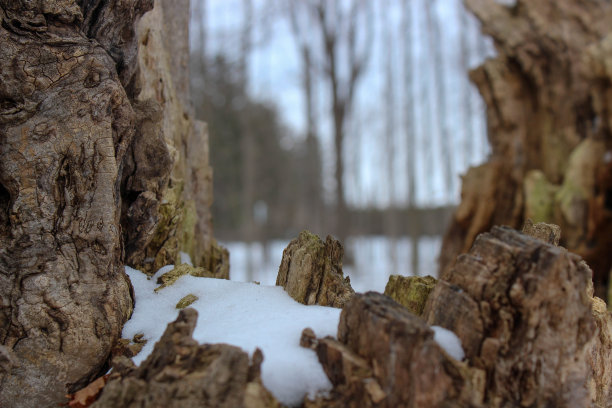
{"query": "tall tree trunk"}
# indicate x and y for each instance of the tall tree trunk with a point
(410, 129)
(390, 219)
(435, 45)
(549, 98)
(247, 144)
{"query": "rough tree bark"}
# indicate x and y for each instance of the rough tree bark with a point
(66, 123)
(549, 99)
(93, 155)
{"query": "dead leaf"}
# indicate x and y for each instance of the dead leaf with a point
(84, 397)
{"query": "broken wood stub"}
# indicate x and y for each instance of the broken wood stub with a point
(522, 311)
(386, 356)
(410, 291)
(311, 271)
(549, 233)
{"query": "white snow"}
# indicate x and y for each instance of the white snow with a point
(245, 315)
(185, 258)
(449, 342)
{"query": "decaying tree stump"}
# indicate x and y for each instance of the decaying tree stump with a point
(549, 111)
(523, 313)
(167, 180)
(311, 271)
(532, 333)
(181, 373)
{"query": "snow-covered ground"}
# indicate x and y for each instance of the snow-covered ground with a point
(244, 315)
(375, 258)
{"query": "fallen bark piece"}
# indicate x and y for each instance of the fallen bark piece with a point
(522, 310)
(386, 356)
(410, 291)
(186, 301)
(311, 271)
(87, 396)
(173, 275)
(182, 373)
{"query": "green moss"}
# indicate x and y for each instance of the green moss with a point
(410, 291)
(187, 227)
(172, 276)
(578, 183)
(539, 197)
(164, 247)
(186, 301)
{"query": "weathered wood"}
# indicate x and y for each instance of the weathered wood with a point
(167, 182)
(532, 333)
(386, 356)
(181, 373)
(311, 271)
(522, 310)
(94, 171)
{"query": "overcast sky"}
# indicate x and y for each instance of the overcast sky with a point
(275, 77)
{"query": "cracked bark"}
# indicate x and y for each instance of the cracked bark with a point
(100, 164)
(66, 123)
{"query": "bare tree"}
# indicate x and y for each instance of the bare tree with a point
(199, 10)
(435, 45)
(339, 29)
(388, 45)
(312, 183)
(410, 127)
(247, 144)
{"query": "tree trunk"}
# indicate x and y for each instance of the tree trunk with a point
(93, 172)
(548, 97)
(66, 123)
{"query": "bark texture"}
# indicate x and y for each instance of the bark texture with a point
(311, 271)
(386, 356)
(532, 333)
(522, 310)
(181, 373)
(100, 163)
(167, 182)
(549, 112)
(65, 126)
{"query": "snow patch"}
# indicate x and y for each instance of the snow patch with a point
(449, 342)
(245, 315)
(185, 258)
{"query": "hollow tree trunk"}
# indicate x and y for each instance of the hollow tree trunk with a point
(100, 164)
(549, 97)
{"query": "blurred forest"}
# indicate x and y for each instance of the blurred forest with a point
(351, 118)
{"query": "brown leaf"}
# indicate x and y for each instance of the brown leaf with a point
(84, 397)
